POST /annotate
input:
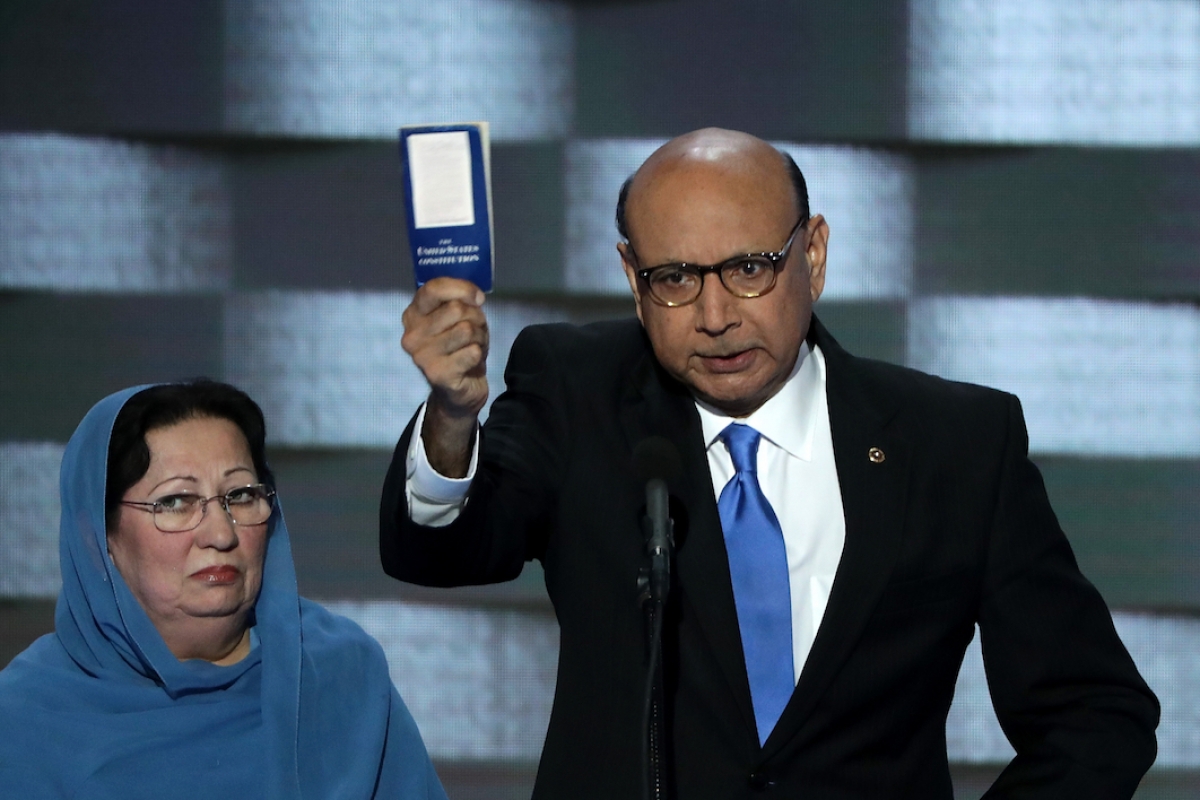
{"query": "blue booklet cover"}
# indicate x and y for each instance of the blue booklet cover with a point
(448, 201)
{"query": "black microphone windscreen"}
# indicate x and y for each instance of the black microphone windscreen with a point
(656, 457)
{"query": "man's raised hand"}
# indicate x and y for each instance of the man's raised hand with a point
(446, 333)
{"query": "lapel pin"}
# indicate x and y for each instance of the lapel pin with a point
(876, 455)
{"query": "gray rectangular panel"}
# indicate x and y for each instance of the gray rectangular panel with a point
(29, 519)
(88, 214)
(328, 368)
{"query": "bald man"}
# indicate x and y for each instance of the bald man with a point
(843, 525)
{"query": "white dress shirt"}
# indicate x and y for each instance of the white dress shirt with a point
(796, 470)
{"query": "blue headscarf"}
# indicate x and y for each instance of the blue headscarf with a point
(102, 709)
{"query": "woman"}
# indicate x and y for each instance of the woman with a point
(183, 663)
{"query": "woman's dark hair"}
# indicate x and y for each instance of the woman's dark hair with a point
(166, 405)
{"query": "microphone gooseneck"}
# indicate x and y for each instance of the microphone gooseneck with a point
(656, 461)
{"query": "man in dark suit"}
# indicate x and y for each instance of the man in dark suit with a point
(842, 524)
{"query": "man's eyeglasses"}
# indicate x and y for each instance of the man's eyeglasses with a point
(176, 513)
(750, 275)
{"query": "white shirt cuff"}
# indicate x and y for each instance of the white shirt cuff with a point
(433, 499)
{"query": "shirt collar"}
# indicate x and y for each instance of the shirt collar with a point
(789, 418)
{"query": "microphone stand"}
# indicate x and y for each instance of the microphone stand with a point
(654, 584)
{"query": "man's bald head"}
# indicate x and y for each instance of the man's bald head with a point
(732, 149)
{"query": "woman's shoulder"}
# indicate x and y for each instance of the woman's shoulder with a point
(41, 665)
(41, 697)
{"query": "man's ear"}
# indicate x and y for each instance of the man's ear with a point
(816, 251)
(629, 264)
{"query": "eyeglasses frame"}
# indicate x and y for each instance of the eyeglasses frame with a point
(777, 259)
(154, 507)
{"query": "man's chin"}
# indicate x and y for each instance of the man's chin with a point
(740, 400)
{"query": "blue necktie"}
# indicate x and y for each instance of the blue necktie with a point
(759, 568)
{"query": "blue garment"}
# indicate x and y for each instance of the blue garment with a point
(102, 709)
(758, 567)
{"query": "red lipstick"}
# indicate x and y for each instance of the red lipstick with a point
(218, 575)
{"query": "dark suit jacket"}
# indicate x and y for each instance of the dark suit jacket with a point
(951, 529)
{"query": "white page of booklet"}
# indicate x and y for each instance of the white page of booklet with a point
(439, 167)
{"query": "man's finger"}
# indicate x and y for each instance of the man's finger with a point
(444, 290)
(461, 334)
(461, 377)
(452, 314)
(446, 329)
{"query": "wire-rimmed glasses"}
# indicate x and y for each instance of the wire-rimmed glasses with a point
(176, 513)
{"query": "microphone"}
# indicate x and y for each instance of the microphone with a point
(656, 461)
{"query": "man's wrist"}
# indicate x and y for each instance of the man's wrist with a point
(448, 437)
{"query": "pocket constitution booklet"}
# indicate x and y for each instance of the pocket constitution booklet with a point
(448, 199)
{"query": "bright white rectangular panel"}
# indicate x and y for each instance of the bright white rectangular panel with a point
(439, 166)
(1119, 72)
(866, 196)
(593, 172)
(1095, 377)
(479, 682)
(29, 511)
(1165, 651)
(362, 68)
(87, 214)
(327, 367)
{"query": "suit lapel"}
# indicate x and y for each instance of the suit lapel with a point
(655, 405)
(873, 501)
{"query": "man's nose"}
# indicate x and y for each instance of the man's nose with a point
(716, 310)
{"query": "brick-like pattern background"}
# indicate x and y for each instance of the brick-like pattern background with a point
(213, 188)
